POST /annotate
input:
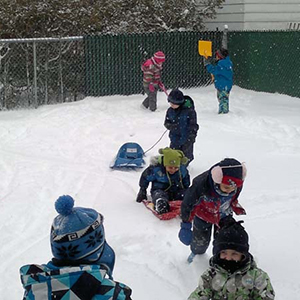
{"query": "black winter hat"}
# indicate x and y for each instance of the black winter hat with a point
(229, 171)
(176, 97)
(222, 53)
(231, 236)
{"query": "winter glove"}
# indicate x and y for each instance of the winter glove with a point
(141, 195)
(151, 88)
(162, 87)
(206, 61)
(185, 233)
(171, 126)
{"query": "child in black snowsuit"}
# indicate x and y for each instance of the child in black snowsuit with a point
(169, 176)
(181, 120)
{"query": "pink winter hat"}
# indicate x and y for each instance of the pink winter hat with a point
(159, 57)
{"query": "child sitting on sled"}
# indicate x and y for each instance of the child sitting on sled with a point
(82, 260)
(169, 176)
(233, 273)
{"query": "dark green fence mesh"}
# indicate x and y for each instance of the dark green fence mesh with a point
(113, 62)
(266, 61)
(72, 68)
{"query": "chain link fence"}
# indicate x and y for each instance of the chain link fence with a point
(114, 62)
(41, 71)
(34, 72)
(266, 61)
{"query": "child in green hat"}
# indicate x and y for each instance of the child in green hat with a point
(169, 177)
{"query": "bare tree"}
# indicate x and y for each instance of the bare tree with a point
(56, 18)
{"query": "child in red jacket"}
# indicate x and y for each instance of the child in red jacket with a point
(211, 198)
(152, 68)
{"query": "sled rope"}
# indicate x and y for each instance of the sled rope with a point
(156, 142)
(128, 163)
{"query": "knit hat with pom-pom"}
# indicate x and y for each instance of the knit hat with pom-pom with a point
(159, 57)
(77, 234)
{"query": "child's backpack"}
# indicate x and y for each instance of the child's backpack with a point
(130, 155)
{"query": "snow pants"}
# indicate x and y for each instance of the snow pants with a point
(201, 235)
(151, 99)
(223, 98)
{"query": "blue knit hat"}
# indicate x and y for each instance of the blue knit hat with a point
(77, 234)
(176, 97)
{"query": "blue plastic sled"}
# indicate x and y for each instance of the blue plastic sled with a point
(129, 156)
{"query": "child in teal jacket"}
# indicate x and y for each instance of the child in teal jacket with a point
(222, 73)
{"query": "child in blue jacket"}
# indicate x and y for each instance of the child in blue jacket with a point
(181, 120)
(223, 77)
(82, 263)
(169, 177)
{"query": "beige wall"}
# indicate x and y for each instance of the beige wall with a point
(257, 15)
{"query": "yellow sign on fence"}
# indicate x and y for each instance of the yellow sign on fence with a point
(205, 48)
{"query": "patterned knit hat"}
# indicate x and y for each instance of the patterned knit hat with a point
(172, 157)
(230, 172)
(77, 234)
(159, 57)
(231, 236)
(176, 97)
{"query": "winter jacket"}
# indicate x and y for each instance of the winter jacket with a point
(84, 282)
(162, 180)
(151, 72)
(202, 200)
(248, 283)
(182, 123)
(223, 74)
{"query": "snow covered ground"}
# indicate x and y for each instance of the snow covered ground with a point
(67, 149)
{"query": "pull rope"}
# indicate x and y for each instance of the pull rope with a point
(128, 163)
(156, 142)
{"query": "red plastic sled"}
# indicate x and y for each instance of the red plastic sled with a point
(173, 213)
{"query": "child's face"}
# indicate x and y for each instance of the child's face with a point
(171, 170)
(227, 188)
(229, 254)
(174, 106)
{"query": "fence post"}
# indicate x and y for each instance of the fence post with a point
(61, 73)
(35, 75)
(225, 37)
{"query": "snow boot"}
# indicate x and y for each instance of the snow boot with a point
(162, 206)
(191, 257)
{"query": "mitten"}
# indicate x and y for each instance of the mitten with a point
(151, 88)
(141, 195)
(206, 61)
(161, 85)
(185, 234)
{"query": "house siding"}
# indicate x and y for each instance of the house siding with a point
(257, 15)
